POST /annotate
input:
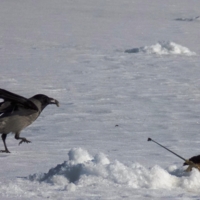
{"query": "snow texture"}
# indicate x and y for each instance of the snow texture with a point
(189, 19)
(82, 168)
(94, 146)
(163, 48)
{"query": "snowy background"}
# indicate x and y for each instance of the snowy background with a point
(123, 71)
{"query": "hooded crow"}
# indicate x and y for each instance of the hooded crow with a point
(17, 112)
(193, 162)
(194, 159)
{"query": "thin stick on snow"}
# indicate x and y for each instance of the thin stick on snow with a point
(189, 162)
(149, 139)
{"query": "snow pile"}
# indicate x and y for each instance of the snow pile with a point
(82, 169)
(189, 19)
(163, 48)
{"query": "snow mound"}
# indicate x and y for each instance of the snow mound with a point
(82, 169)
(189, 19)
(163, 48)
(78, 155)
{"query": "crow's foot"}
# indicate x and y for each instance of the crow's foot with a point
(24, 140)
(4, 151)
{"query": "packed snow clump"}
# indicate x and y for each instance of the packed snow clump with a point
(163, 48)
(82, 169)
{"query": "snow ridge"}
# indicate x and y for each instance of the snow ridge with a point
(189, 19)
(84, 169)
(163, 48)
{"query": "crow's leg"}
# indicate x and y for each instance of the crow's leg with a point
(21, 138)
(4, 142)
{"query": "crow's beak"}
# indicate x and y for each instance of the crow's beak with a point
(53, 101)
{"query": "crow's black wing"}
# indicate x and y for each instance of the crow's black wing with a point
(195, 159)
(6, 106)
(12, 100)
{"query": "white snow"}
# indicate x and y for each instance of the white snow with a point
(94, 171)
(94, 146)
(84, 170)
(189, 19)
(163, 48)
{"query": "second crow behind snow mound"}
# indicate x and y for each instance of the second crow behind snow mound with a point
(194, 159)
(17, 112)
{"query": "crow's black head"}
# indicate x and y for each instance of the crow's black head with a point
(45, 100)
(194, 159)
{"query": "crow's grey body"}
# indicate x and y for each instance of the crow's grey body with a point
(18, 112)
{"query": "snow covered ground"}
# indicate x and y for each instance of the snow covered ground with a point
(123, 71)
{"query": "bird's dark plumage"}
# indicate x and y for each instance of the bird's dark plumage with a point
(17, 112)
(194, 159)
